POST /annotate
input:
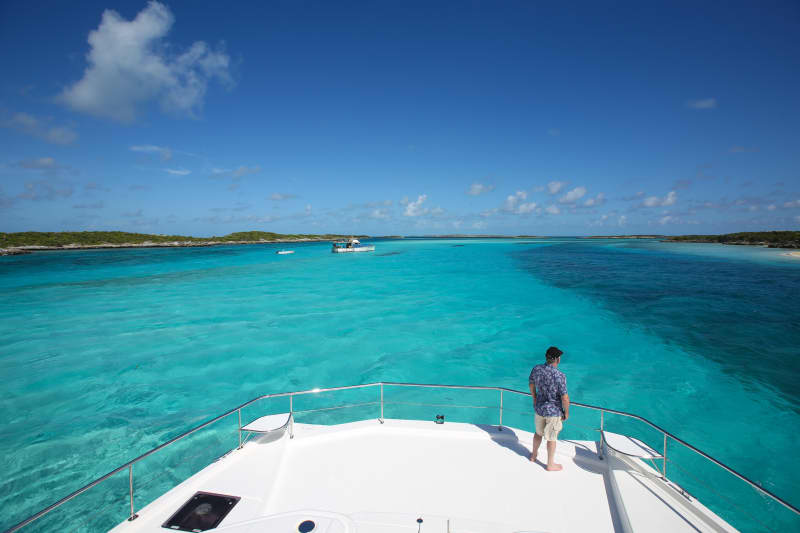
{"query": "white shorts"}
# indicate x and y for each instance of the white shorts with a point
(548, 426)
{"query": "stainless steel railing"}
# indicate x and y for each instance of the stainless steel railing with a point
(129, 465)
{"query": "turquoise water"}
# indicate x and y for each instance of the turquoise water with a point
(105, 354)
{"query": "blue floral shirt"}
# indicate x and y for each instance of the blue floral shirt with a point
(551, 384)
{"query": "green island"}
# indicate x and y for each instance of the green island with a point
(27, 241)
(625, 237)
(772, 239)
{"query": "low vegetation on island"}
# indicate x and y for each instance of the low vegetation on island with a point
(11, 243)
(773, 239)
(625, 237)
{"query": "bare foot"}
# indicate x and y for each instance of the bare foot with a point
(533, 457)
(555, 467)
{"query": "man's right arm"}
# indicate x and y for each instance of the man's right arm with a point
(532, 386)
(565, 406)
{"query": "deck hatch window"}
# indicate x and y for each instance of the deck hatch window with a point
(203, 511)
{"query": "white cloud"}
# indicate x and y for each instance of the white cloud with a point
(95, 205)
(655, 201)
(178, 172)
(479, 225)
(94, 186)
(60, 135)
(278, 197)
(552, 209)
(665, 219)
(797, 218)
(477, 189)
(573, 196)
(240, 206)
(129, 64)
(165, 153)
(704, 103)
(622, 220)
(380, 214)
(635, 196)
(415, 209)
(236, 173)
(771, 207)
(525, 208)
(40, 128)
(513, 199)
(45, 190)
(555, 186)
(437, 211)
(596, 201)
(515, 204)
(793, 203)
(308, 210)
(41, 163)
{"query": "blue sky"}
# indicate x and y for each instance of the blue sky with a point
(400, 118)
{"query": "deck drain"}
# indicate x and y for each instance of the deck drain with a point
(306, 526)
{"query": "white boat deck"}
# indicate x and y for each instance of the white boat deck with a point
(372, 477)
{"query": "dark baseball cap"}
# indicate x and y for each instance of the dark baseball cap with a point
(553, 353)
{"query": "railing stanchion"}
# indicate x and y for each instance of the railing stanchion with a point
(381, 419)
(500, 427)
(602, 438)
(240, 428)
(664, 466)
(133, 516)
(291, 416)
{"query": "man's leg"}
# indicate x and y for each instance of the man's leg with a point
(537, 440)
(552, 466)
(538, 427)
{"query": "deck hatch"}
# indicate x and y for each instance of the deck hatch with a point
(306, 526)
(202, 511)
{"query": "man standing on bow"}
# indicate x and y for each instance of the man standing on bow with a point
(550, 401)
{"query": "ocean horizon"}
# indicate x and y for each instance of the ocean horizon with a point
(107, 353)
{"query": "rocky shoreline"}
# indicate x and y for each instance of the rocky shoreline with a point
(21, 250)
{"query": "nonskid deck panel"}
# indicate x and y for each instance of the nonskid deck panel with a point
(377, 477)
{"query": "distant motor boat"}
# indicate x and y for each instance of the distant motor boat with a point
(284, 252)
(351, 245)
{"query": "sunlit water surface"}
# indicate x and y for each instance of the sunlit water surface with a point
(106, 354)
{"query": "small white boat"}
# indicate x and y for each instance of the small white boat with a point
(351, 245)
(284, 252)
